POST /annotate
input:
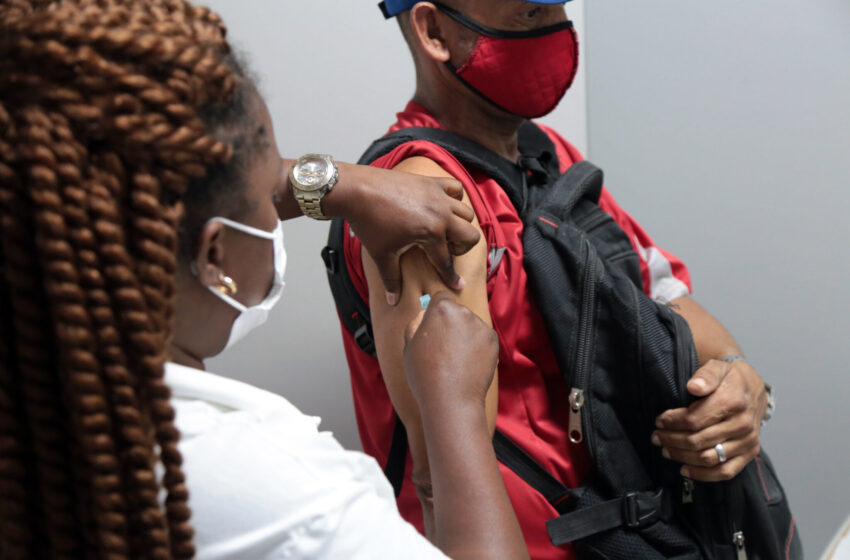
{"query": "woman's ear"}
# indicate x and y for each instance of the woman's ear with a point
(427, 32)
(210, 254)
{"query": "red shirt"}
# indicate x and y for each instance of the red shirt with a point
(532, 397)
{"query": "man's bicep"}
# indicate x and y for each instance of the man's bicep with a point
(472, 266)
(389, 322)
(419, 278)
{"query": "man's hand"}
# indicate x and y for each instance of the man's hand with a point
(732, 405)
(450, 356)
(392, 211)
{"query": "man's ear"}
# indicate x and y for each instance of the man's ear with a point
(426, 30)
(210, 254)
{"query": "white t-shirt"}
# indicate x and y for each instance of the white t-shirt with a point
(265, 483)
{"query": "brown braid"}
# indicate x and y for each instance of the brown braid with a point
(108, 111)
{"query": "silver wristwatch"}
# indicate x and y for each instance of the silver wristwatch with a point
(313, 176)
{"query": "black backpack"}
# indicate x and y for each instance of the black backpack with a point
(625, 359)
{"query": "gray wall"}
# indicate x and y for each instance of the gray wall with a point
(724, 127)
(334, 74)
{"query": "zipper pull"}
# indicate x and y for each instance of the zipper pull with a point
(740, 545)
(576, 404)
(687, 491)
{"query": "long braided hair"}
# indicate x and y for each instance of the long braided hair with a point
(108, 119)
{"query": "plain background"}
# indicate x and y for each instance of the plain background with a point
(723, 127)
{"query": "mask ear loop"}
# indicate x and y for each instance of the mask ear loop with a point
(250, 230)
(227, 287)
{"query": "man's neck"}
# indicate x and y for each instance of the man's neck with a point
(464, 113)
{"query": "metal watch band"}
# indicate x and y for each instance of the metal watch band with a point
(311, 205)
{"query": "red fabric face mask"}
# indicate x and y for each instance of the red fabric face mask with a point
(525, 73)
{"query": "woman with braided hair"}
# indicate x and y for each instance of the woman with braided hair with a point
(141, 194)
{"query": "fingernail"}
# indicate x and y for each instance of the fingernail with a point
(686, 472)
(665, 453)
(461, 283)
(656, 440)
(659, 423)
(392, 298)
(699, 384)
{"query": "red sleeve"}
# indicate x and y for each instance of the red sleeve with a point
(417, 148)
(665, 276)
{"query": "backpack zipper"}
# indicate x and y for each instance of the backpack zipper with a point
(685, 367)
(584, 344)
(576, 404)
(687, 490)
(740, 544)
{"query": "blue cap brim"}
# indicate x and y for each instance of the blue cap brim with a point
(392, 8)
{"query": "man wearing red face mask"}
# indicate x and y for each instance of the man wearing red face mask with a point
(484, 68)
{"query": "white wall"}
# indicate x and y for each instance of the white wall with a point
(724, 127)
(334, 73)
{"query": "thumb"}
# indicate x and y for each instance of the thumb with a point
(707, 379)
(390, 271)
(413, 326)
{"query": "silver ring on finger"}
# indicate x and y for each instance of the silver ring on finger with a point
(721, 453)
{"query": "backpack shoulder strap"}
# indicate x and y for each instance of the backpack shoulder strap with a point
(582, 180)
(355, 317)
(353, 311)
(471, 154)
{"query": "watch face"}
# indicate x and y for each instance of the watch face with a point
(312, 172)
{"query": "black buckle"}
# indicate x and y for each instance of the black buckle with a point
(330, 258)
(640, 510)
(364, 339)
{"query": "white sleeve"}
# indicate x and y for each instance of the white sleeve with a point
(273, 487)
(368, 527)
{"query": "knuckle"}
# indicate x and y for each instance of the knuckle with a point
(738, 402)
(694, 441)
(693, 423)
(443, 306)
(433, 226)
(727, 472)
(752, 439)
(743, 428)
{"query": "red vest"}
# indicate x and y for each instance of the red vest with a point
(532, 396)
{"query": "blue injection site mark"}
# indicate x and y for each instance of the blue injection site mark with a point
(425, 300)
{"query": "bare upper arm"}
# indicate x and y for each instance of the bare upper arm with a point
(418, 278)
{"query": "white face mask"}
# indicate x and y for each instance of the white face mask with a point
(252, 317)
